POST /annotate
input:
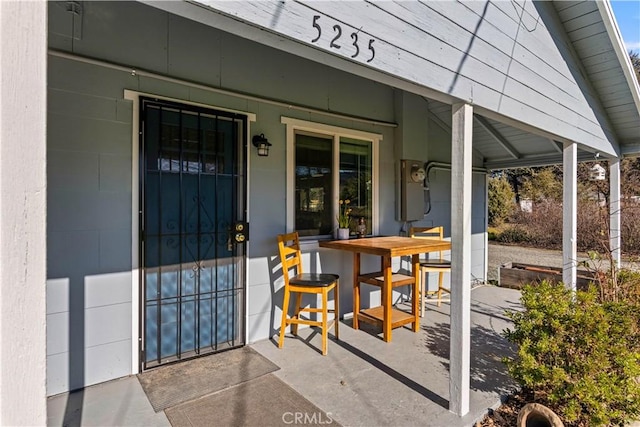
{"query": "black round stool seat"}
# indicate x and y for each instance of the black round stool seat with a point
(313, 279)
(435, 263)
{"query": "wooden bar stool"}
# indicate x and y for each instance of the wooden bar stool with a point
(431, 265)
(305, 283)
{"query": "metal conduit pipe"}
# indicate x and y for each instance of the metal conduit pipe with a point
(442, 166)
(447, 166)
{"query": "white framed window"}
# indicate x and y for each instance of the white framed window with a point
(327, 164)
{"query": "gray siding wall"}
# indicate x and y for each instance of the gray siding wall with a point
(89, 296)
(88, 227)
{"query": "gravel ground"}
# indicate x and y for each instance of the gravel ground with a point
(502, 254)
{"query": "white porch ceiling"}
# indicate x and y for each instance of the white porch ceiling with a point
(596, 40)
(505, 146)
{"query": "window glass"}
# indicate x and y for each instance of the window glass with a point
(189, 142)
(355, 179)
(313, 177)
(316, 178)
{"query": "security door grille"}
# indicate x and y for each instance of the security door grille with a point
(192, 193)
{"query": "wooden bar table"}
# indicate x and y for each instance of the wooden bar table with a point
(387, 247)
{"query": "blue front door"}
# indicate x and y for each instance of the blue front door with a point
(193, 194)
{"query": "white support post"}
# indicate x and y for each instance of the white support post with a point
(23, 203)
(569, 214)
(485, 277)
(614, 210)
(460, 341)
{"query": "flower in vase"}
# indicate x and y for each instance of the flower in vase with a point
(344, 213)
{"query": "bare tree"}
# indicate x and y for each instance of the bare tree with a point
(635, 61)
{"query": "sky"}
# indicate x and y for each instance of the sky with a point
(627, 14)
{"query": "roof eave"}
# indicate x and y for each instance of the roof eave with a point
(613, 31)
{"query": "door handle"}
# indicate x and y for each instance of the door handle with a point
(238, 233)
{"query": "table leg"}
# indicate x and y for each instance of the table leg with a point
(356, 289)
(387, 292)
(415, 262)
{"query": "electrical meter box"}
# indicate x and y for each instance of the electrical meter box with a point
(412, 181)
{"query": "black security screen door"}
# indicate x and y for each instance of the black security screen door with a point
(192, 193)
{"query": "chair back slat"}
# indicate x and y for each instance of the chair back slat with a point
(434, 233)
(429, 233)
(290, 255)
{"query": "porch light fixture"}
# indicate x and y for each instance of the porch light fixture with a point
(262, 144)
(597, 172)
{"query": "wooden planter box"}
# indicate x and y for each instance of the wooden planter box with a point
(516, 275)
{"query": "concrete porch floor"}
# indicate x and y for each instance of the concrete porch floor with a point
(363, 381)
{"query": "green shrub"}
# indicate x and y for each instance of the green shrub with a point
(492, 233)
(577, 355)
(501, 200)
(514, 234)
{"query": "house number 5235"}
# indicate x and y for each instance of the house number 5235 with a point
(336, 43)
